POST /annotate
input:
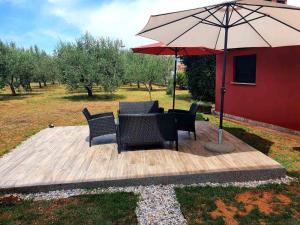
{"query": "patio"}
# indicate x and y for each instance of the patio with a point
(60, 157)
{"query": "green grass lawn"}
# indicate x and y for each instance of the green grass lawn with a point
(269, 204)
(26, 114)
(102, 209)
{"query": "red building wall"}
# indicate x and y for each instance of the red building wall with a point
(275, 99)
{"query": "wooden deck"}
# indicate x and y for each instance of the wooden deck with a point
(60, 157)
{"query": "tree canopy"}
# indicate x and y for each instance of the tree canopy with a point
(91, 62)
(201, 73)
(147, 69)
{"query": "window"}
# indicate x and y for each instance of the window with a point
(281, 1)
(245, 69)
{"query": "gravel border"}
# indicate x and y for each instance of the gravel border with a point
(157, 203)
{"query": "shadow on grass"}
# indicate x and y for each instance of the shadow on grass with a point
(103, 97)
(184, 97)
(140, 89)
(21, 96)
(257, 142)
(296, 149)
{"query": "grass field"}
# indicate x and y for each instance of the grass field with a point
(26, 114)
(23, 115)
(104, 209)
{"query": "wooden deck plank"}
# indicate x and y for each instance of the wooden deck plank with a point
(62, 155)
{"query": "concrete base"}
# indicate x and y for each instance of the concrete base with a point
(220, 148)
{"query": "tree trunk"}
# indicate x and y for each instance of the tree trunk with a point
(149, 91)
(89, 91)
(45, 83)
(40, 84)
(150, 86)
(13, 90)
(29, 87)
(138, 84)
(53, 82)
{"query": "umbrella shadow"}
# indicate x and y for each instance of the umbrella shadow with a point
(261, 144)
(102, 140)
(78, 98)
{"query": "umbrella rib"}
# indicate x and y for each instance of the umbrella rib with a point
(241, 23)
(270, 6)
(267, 15)
(253, 28)
(246, 16)
(204, 21)
(192, 27)
(221, 29)
(173, 21)
(230, 14)
(213, 14)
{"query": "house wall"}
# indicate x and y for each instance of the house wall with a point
(275, 99)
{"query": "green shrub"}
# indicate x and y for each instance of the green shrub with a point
(169, 90)
(182, 80)
(201, 73)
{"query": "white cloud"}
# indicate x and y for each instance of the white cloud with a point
(121, 19)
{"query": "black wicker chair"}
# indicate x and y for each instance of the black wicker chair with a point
(145, 129)
(99, 124)
(139, 107)
(186, 119)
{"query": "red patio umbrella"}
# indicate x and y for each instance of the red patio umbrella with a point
(161, 49)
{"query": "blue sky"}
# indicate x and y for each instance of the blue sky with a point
(45, 22)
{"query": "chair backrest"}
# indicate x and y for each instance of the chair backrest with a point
(87, 114)
(147, 128)
(138, 107)
(194, 108)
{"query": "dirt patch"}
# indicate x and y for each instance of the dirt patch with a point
(5, 216)
(267, 202)
(9, 199)
(225, 211)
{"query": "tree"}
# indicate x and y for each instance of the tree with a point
(90, 62)
(147, 69)
(9, 61)
(201, 72)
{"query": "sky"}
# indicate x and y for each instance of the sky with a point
(46, 22)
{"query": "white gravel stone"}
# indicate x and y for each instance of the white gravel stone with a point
(157, 205)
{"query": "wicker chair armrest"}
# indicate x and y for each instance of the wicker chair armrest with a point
(99, 115)
(178, 111)
(101, 120)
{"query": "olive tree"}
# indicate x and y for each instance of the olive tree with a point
(90, 62)
(147, 69)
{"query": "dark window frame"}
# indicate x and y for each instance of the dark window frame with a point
(239, 60)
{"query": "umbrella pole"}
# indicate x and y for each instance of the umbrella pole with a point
(221, 147)
(174, 77)
(223, 90)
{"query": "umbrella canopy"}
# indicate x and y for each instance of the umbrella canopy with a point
(162, 49)
(252, 23)
(232, 24)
